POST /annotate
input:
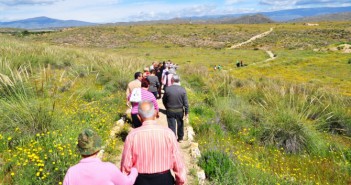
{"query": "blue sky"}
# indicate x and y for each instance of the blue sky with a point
(103, 11)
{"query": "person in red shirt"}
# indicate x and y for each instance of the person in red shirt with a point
(153, 150)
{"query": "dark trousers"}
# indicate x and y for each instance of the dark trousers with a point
(155, 94)
(155, 179)
(175, 119)
(135, 121)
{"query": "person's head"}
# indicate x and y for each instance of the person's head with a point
(146, 111)
(146, 69)
(152, 71)
(172, 71)
(145, 83)
(89, 143)
(175, 79)
(138, 75)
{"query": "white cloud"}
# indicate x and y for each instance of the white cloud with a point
(27, 2)
(231, 2)
(309, 2)
(163, 11)
(278, 2)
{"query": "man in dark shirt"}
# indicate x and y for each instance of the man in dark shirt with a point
(176, 102)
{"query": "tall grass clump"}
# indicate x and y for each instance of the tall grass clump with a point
(284, 130)
(19, 103)
(114, 73)
(336, 120)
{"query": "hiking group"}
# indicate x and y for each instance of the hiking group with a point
(151, 151)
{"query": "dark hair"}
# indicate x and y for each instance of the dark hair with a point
(136, 75)
(153, 71)
(145, 82)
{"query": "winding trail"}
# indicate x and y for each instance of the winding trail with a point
(252, 39)
(270, 53)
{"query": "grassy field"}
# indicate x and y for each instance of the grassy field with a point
(286, 121)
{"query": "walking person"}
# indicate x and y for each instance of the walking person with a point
(166, 79)
(141, 94)
(146, 72)
(153, 150)
(91, 170)
(159, 73)
(175, 100)
(136, 83)
(154, 83)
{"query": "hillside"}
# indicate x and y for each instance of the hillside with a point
(249, 19)
(43, 22)
(344, 16)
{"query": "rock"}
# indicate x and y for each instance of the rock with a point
(194, 150)
(201, 176)
(191, 133)
(120, 122)
(100, 154)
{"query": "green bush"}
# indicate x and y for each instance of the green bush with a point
(349, 62)
(93, 95)
(285, 130)
(336, 121)
(217, 166)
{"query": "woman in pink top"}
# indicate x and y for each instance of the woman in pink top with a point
(91, 170)
(145, 95)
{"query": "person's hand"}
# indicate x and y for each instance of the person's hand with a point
(157, 115)
(186, 116)
(128, 104)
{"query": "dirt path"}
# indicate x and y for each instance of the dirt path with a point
(252, 39)
(270, 53)
(186, 146)
(189, 148)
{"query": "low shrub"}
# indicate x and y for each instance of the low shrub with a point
(218, 166)
(92, 95)
(336, 121)
(285, 130)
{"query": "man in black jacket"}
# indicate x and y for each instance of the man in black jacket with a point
(176, 102)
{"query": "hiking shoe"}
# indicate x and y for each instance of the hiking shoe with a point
(180, 140)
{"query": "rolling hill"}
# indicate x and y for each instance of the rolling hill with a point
(43, 22)
(345, 16)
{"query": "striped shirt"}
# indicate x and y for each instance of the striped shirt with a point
(153, 148)
(145, 95)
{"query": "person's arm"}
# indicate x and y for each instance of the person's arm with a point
(127, 157)
(66, 180)
(122, 179)
(178, 165)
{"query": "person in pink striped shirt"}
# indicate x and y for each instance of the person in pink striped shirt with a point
(153, 150)
(91, 170)
(145, 95)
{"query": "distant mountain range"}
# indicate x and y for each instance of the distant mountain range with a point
(345, 16)
(292, 15)
(44, 23)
